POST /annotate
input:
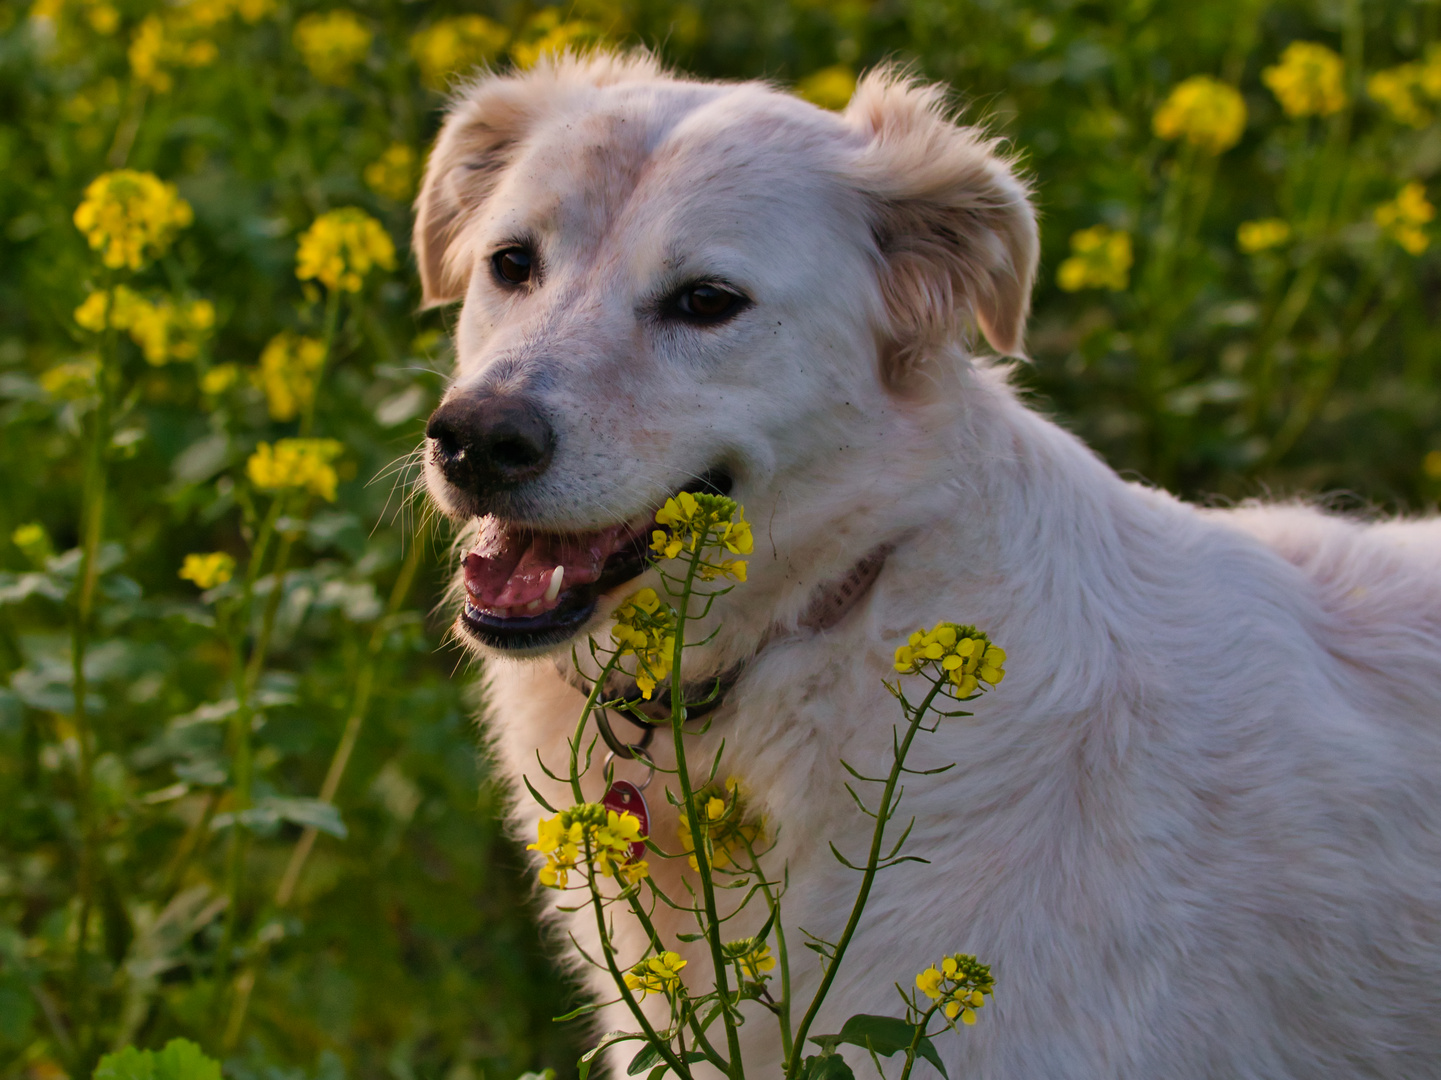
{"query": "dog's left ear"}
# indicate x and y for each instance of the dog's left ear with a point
(952, 222)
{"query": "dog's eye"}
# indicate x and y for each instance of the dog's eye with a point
(514, 265)
(707, 303)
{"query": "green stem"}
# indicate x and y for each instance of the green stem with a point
(712, 926)
(868, 877)
(916, 1037)
(773, 902)
(585, 714)
(660, 1045)
(332, 322)
(712, 1054)
(93, 499)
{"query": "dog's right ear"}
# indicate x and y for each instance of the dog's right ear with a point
(475, 145)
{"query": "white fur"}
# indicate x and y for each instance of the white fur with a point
(1195, 831)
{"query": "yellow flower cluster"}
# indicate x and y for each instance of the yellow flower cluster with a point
(72, 380)
(219, 379)
(830, 88)
(341, 247)
(656, 975)
(208, 571)
(1100, 258)
(1207, 113)
(296, 464)
(33, 542)
(547, 33)
(1309, 80)
(158, 47)
(563, 840)
(645, 628)
(164, 329)
(1405, 217)
(1404, 90)
(960, 984)
(102, 17)
(693, 523)
(1254, 236)
(963, 654)
(131, 217)
(392, 175)
(332, 44)
(288, 366)
(754, 957)
(729, 826)
(455, 45)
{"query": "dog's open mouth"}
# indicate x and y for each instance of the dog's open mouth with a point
(526, 589)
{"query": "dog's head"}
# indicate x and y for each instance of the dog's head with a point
(676, 285)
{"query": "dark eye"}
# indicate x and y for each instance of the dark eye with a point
(707, 303)
(514, 265)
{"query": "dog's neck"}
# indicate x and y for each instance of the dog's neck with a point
(829, 604)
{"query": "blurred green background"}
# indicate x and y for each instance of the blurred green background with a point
(1238, 297)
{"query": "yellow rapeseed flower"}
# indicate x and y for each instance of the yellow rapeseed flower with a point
(455, 45)
(1309, 80)
(962, 655)
(33, 542)
(830, 88)
(691, 522)
(1396, 89)
(645, 628)
(729, 824)
(208, 571)
(1405, 217)
(608, 834)
(547, 33)
(754, 957)
(131, 217)
(219, 379)
(1100, 259)
(296, 465)
(73, 380)
(1431, 464)
(392, 175)
(341, 247)
(657, 975)
(331, 44)
(959, 985)
(287, 371)
(1254, 236)
(1207, 113)
(164, 329)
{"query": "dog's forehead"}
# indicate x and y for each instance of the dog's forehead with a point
(622, 157)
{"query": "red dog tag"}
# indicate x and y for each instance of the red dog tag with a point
(625, 798)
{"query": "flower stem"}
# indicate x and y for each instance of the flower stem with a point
(93, 499)
(868, 877)
(332, 323)
(712, 926)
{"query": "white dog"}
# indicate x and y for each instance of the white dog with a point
(1196, 833)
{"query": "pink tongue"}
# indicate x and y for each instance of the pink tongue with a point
(513, 566)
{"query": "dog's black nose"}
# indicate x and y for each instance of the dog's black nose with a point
(485, 442)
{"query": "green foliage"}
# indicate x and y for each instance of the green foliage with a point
(146, 830)
(180, 1060)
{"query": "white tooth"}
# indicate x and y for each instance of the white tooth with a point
(534, 605)
(553, 589)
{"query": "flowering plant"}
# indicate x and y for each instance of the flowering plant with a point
(595, 850)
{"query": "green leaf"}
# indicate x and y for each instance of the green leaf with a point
(646, 1059)
(583, 1010)
(180, 1060)
(885, 1035)
(544, 1074)
(608, 1039)
(826, 1067)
